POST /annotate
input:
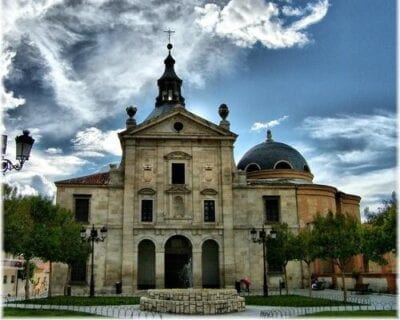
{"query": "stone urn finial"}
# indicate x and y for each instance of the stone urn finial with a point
(131, 111)
(223, 111)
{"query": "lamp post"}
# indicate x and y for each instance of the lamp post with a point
(92, 238)
(262, 239)
(24, 145)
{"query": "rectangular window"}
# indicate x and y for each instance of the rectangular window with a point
(272, 209)
(4, 279)
(147, 210)
(12, 279)
(78, 272)
(178, 173)
(82, 207)
(209, 210)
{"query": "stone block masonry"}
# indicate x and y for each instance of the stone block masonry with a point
(193, 301)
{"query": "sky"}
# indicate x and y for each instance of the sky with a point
(321, 74)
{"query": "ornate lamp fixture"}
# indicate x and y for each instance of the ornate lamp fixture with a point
(92, 238)
(262, 239)
(24, 145)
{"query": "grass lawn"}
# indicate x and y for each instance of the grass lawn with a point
(84, 301)
(16, 312)
(292, 301)
(351, 314)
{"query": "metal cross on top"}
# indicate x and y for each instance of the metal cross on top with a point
(169, 31)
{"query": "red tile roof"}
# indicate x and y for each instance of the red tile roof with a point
(93, 179)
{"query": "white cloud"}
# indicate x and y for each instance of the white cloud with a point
(246, 22)
(92, 142)
(357, 156)
(316, 11)
(377, 129)
(40, 172)
(257, 126)
(372, 186)
(291, 11)
(53, 150)
(117, 64)
(365, 167)
(13, 18)
(7, 99)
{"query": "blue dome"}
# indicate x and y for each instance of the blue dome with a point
(273, 155)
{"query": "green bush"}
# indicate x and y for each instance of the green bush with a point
(84, 301)
(17, 312)
(292, 301)
(351, 314)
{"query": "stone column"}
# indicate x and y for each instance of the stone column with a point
(160, 268)
(197, 269)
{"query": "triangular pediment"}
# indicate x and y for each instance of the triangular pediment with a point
(178, 123)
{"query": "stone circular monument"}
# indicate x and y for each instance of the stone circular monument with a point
(192, 301)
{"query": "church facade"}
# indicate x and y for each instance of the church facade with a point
(179, 210)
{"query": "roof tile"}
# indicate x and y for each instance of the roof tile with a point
(93, 179)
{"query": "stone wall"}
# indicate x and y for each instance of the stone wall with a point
(249, 212)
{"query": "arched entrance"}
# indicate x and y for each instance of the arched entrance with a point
(178, 263)
(146, 278)
(210, 264)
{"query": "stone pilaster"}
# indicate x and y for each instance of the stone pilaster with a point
(197, 268)
(227, 207)
(160, 268)
(127, 222)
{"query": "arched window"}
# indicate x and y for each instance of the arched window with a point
(252, 167)
(282, 164)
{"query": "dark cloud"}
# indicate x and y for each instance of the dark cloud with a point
(28, 69)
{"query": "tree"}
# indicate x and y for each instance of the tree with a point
(18, 232)
(72, 247)
(282, 249)
(379, 232)
(306, 251)
(338, 238)
(62, 242)
(34, 227)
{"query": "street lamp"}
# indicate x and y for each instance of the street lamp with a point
(262, 239)
(24, 145)
(92, 238)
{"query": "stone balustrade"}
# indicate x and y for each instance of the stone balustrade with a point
(192, 301)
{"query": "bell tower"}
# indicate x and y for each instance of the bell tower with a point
(169, 85)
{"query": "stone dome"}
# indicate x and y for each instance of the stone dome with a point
(271, 155)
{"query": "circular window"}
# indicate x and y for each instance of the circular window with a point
(178, 126)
